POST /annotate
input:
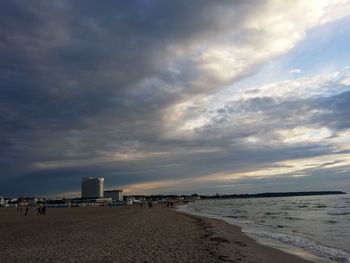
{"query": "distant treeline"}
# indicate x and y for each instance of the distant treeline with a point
(227, 196)
(285, 194)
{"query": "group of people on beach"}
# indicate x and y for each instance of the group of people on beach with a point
(170, 204)
(20, 209)
(150, 204)
(41, 210)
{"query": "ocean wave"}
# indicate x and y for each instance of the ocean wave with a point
(331, 222)
(276, 213)
(308, 245)
(237, 211)
(292, 218)
(236, 217)
(338, 213)
(342, 206)
(294, 208)
(320, 206)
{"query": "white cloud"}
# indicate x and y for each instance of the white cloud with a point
(186, 119)
(320, 85)
(295, 71)
(235, 51)
(304, 134)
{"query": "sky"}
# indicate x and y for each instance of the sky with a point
(174, 97)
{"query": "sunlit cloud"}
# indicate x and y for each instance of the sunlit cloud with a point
(321, 85)
(304, 134)
(289, 168)
(341, 140)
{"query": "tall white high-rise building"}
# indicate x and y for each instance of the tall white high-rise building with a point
(92, 187)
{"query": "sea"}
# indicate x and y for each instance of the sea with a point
(314, 227)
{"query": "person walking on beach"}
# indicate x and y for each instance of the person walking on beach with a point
(43, 210)
(26, 212)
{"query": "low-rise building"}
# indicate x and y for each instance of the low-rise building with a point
(22, 201)
(116, 195)
(85, 202)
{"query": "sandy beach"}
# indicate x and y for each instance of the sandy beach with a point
(126, 234)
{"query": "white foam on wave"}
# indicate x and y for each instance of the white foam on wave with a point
(305, 244)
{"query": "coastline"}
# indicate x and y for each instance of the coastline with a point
(127, 234)
(235, 246)
(289, 232)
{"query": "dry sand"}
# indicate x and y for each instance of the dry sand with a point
(126, 234)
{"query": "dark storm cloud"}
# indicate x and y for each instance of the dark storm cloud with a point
(77, 59)
(92, 89)
(71, 73)
(336, 111)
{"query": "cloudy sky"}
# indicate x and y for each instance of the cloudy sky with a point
(178, 96)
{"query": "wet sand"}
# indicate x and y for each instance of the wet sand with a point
(126, 234)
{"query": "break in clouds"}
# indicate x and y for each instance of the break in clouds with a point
(149, 95)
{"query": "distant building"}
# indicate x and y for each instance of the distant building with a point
(22, 201)
(2, 201)
(90, 202)
(92, 187)
(116, 195)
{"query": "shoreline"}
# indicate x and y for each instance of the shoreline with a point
(264, 241)
(127, 234)
(233, 245)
